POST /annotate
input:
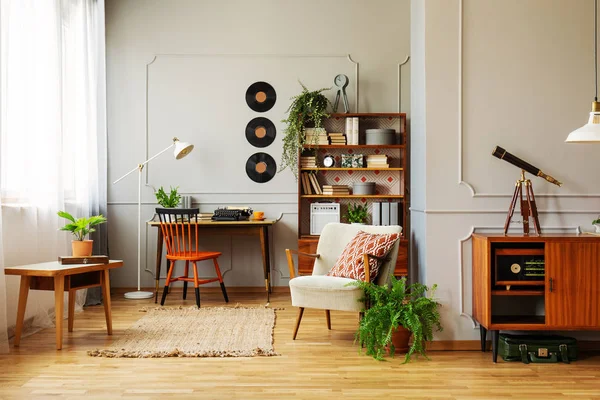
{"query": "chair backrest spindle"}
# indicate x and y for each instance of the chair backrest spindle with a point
(175, 225)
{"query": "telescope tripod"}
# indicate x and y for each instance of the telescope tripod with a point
(528, 207)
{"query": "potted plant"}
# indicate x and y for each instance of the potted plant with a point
(596, 224)
(307, 108)
(80, 228)
(357, 214)
(168, 200)
(394, 313)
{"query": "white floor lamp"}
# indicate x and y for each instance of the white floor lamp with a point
(182, 149)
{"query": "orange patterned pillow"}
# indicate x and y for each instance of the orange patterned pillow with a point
(350, 263)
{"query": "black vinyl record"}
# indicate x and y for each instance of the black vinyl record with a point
(261, 167)
(261, 96)
(260, 132)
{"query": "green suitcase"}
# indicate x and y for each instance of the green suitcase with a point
(537, 348)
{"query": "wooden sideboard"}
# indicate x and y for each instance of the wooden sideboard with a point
(564, 296)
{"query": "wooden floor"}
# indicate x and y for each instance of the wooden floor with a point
(319, 364)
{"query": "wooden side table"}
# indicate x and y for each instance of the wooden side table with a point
(61, 278)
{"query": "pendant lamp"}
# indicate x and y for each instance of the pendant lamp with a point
(590, 132)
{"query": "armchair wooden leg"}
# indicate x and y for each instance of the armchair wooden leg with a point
(328, 317)
(170, 268)
(298, 319)
(218, 271)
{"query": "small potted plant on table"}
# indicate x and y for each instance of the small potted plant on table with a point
(596, 224)
(80, 228)
(357, 214)
(170, 200)
(394, 313)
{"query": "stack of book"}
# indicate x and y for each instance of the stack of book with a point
(310, 184)
(377, 161)
(336, 190)
(316, 136)
(205, 216)
(308, 162)
(337, 138)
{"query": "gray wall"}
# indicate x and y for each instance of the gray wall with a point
(523, 79)
(172, 49)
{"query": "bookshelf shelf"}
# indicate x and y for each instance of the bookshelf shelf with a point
(351, 169)
(393, 180)
(355, 146)
(353, 196)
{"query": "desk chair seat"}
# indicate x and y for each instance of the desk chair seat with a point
(178, 234)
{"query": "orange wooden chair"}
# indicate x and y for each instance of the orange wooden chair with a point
(180, 233)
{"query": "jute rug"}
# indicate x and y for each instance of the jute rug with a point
(192, 332)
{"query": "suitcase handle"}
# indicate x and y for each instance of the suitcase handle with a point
(534, 358)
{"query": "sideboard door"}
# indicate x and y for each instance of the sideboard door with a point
(572, 284)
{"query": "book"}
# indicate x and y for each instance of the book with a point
(393, 213)
(315, 184)
(385, 214)
(376, 213)
(67, 260)
(355, 131)
(349, 130)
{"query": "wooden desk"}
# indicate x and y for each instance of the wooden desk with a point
(247, 228)
(61, 278)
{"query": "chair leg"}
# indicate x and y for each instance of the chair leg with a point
(196, 288)
(171, 267)
(185, 273)
(328, 317)
(298, 319)
(218, 270)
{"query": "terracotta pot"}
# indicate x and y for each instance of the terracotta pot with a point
(82, 248)
(400, 338)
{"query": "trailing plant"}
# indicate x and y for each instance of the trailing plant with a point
(397, 305)
(596, 221)
(81, 227)
(169, 200)
(307, 108)
(357, 213)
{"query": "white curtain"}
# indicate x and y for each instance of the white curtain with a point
(52, 131)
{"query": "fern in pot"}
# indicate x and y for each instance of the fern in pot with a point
(307, 108)
(357, 214)
(393, 314)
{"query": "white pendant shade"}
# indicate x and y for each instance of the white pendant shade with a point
(182, 149)
(589, 133)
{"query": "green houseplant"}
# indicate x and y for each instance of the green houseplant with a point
(394, 308)
(596, 224)
(168, 200)
(80, 228)
(357, 214)
(307, 108)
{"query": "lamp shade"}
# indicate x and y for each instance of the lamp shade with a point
(589, 133)
(182, 149)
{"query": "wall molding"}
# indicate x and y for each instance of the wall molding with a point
(400, 82)
(461, 180)
(461, 242)
(223, 55)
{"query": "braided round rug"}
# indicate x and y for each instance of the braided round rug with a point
(192, 332)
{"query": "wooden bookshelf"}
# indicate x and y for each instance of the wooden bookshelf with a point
(391, 183)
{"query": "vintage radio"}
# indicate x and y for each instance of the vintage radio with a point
(321, 214)
(519, 267)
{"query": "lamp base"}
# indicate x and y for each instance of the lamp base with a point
(139, 295)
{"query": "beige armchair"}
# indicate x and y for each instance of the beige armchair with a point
(332, 293)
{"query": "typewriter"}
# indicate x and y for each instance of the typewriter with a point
(232, 214)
